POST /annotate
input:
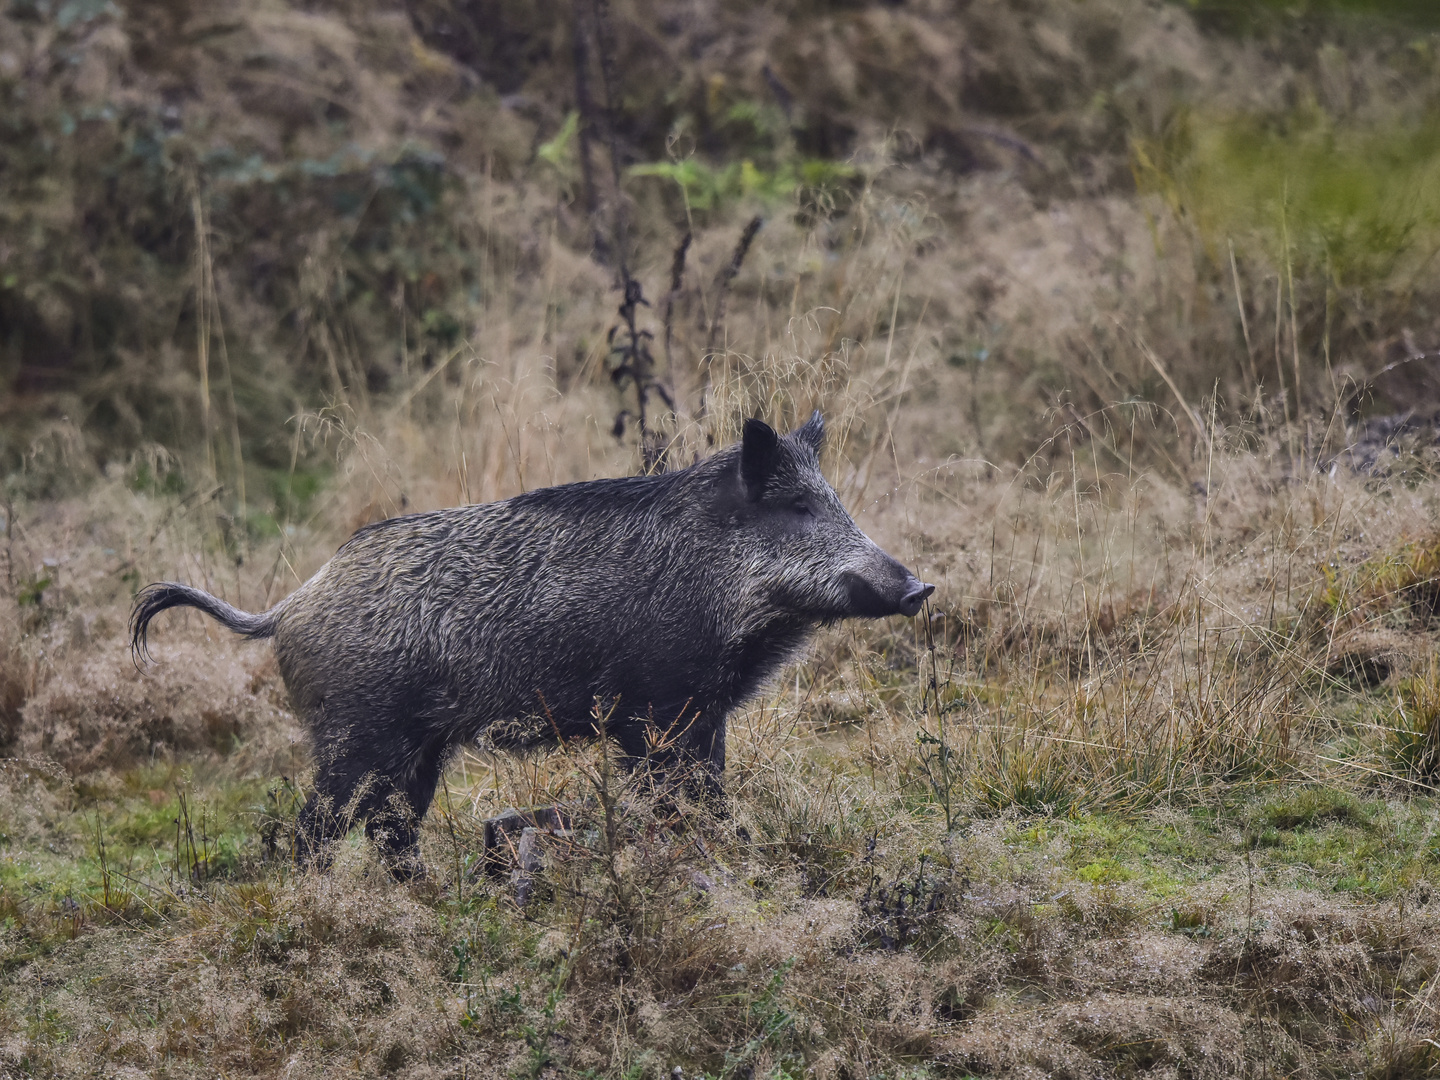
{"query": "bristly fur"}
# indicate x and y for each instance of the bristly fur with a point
(657, 602)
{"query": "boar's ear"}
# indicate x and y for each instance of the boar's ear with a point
(758, 452)
(813, 433)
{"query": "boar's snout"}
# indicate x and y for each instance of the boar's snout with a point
(898, 592)
(915, 593)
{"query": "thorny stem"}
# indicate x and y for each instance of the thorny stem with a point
(728, 275)
(635, 360)
(677, 279)
(637, 363)
(941, 781)
(585, 104)
(607, 84)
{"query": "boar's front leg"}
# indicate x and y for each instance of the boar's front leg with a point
(703, 759)
(689, 754)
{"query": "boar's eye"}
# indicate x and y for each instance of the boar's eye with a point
(802, 508)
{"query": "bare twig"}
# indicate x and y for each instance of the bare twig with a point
(726, 278)
(585, 105)
(677, 280)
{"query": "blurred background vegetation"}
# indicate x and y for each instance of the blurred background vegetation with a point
(215, 218)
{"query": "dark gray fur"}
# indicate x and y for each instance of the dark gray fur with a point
(668, 600)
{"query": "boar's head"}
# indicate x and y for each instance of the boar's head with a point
(803, 548)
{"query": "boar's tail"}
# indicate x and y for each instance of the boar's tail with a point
(154, 599)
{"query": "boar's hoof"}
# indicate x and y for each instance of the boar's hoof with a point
(406, 867)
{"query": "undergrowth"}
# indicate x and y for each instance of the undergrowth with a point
(1153, 761)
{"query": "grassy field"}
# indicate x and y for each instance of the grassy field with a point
(1114, 311)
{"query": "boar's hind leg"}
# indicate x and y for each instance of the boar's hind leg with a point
(329, 812)
(391, 800)
(394, 825)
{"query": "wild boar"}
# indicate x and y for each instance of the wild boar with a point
(658, 602)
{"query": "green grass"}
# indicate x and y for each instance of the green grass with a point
(1315, 837)
(150, 828)
(1352, 203)
(1321, 837)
